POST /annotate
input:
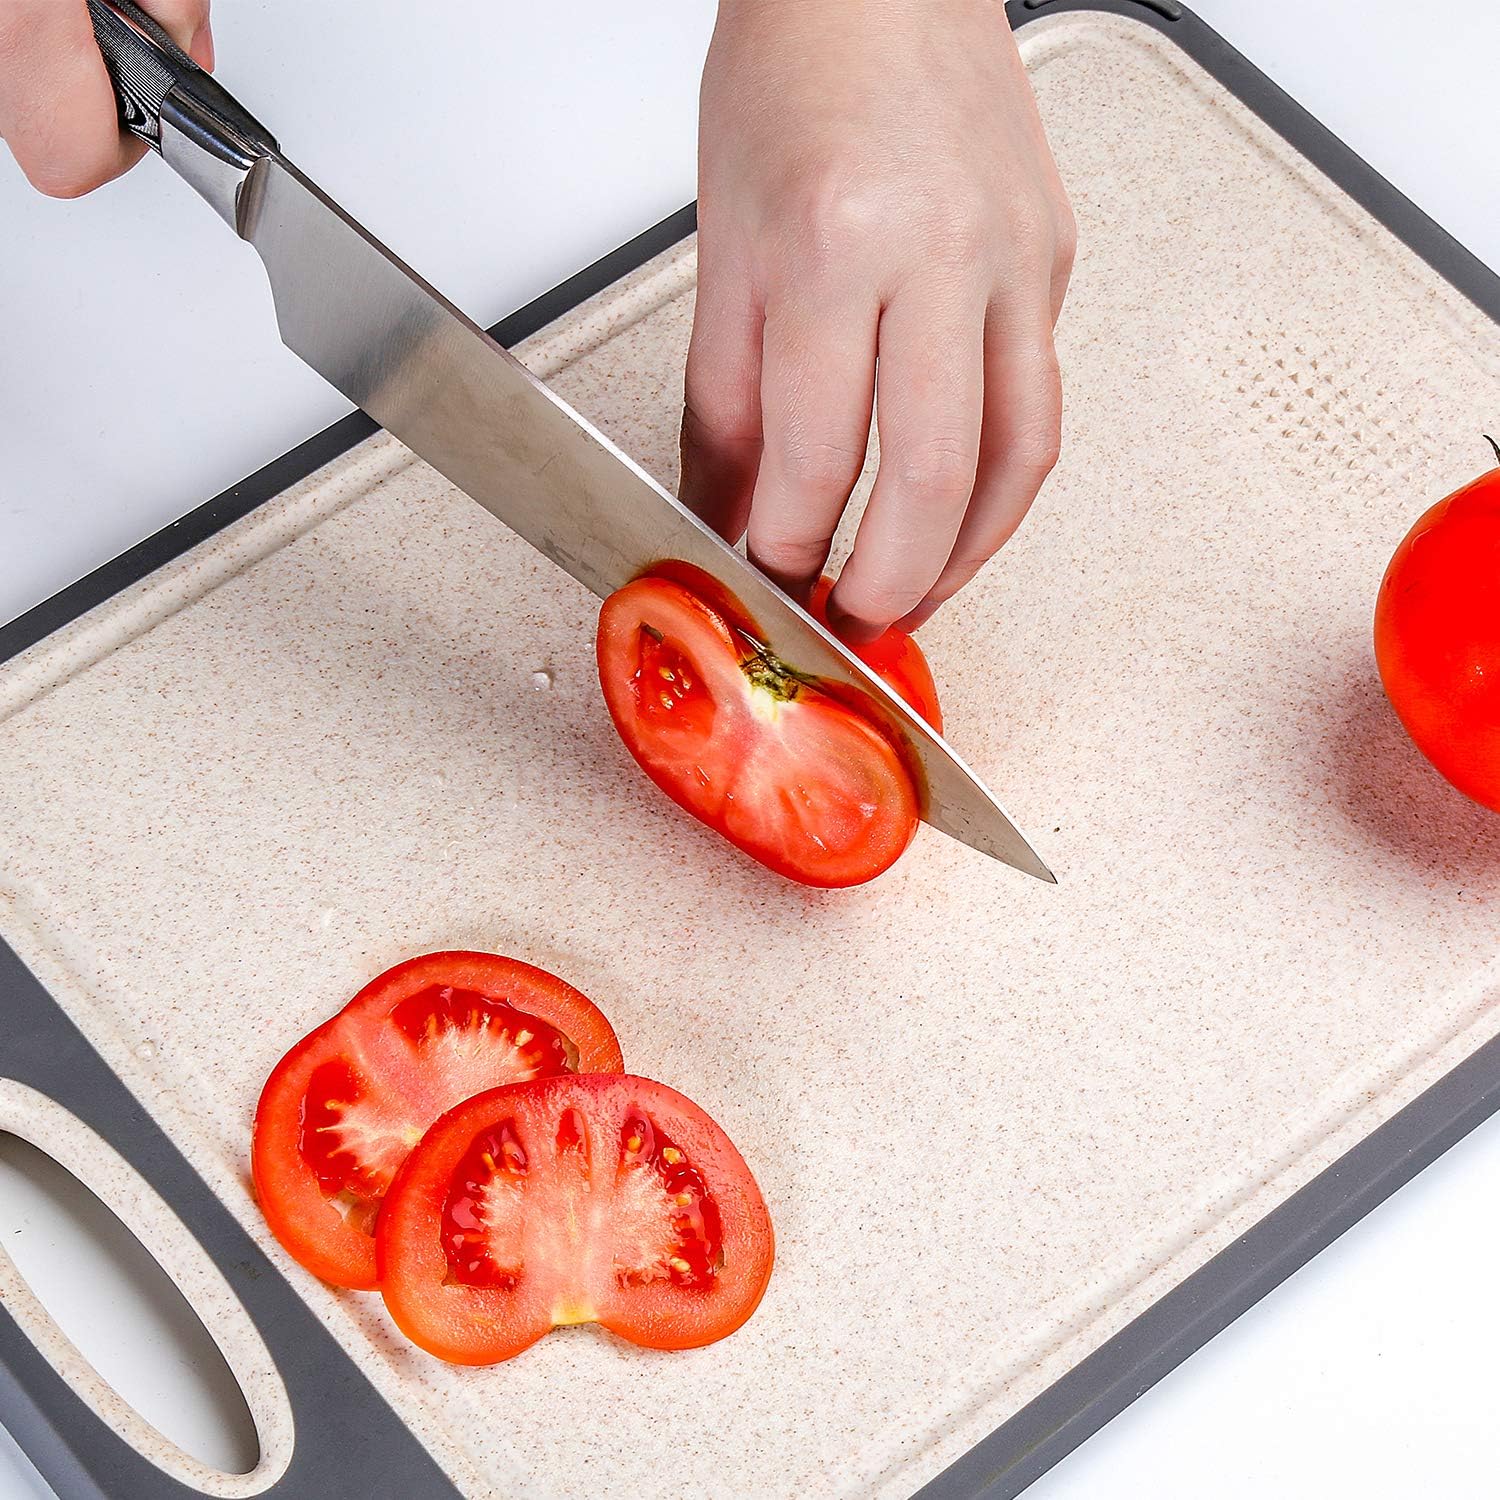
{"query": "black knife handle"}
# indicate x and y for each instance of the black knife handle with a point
(152, 75)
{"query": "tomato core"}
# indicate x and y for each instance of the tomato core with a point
(667, 1225)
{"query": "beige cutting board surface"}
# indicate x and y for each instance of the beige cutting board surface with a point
(994, 1120)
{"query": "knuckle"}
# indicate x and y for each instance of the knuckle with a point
(945, 588)
(822, 467)
(1066, 249)
(1037, 449)
(839, 207)
(967, 228)
(1028, 242)
(962, 568)
(1029, 221)
(720, 399)
(721, 423)
(788, 556)
(819, 223)
(952, 222)
(882, 602)
(937, 473)
(957, 223)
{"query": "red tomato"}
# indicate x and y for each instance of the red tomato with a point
(791, 774)
(341, 1110)
(607, 1200)
(1437, 637)
(895, 656)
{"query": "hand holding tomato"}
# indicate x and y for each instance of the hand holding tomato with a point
(877, 206)
(1437, 636)
(894, 656)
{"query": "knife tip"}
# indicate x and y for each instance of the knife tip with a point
(1021, 856)
(1032, 863)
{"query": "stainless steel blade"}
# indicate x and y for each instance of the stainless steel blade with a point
(435, 379)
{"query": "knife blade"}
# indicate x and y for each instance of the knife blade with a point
(432, 377)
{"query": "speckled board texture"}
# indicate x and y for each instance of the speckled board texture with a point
(994, 1120)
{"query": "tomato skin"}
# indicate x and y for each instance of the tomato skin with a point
(1437, 637)
(578, 1228)
(791, 774)
(894, 656)
(295, 1200)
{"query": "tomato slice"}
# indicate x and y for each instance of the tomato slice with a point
(793, 775)
(342, 1109)
(605, 1199)
(895, 656)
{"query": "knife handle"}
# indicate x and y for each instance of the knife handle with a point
(175, 107)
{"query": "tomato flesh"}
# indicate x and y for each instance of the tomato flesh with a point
(482, 1212)
(1437, 637)
(791, 774)
(343, 1109)
(572, 1200)
(355, 1134)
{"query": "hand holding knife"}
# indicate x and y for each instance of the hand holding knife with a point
(394, 346)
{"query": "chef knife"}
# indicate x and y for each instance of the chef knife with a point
(432, 377)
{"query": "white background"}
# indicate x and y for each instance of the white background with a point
(499, 147)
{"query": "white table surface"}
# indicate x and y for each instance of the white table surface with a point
(499, 148)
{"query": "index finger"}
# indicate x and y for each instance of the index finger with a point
(57, 106)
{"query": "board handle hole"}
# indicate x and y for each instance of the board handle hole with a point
(120, 1310)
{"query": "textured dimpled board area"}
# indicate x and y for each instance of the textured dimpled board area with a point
(994, 1120)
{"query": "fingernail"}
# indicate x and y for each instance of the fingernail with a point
(850, 628)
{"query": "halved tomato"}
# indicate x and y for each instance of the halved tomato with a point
(342, 1109)
(608, 1200)
(895, 656)
(790, 773)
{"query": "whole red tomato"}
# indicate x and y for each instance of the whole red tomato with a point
(1437, 636)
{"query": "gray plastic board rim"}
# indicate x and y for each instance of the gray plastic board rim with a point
(84, 1459)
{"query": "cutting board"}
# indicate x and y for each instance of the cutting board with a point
(998, 1123)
